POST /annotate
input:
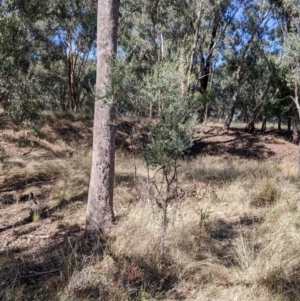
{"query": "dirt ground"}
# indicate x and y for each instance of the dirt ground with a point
(272, 146)
(30, 243)
(211, 141)
(16, 230)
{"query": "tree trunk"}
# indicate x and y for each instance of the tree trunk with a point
(151, 109)
(206, 114)
(182, 70)
(245, 114)
(62, 96)
(72, 93)
(250, 127)
(263, 126)
(195, 41)
(239, 77)
(162, 49)
(295, 135)
(279, 123)
(100, 215)
(231, 112)
(289, 124)
(299, 158)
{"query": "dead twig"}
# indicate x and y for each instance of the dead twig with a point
(31, 276)
(39, 274)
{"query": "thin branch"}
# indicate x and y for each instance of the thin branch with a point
(31, 276)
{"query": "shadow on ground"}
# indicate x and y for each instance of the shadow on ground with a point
(51, 267)
(48, 213)
(234, 143)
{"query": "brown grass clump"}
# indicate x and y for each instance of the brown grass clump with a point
(95, 280)
(232, 231)
(268, 193)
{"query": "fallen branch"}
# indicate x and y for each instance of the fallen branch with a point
(29, 276)
(36, 236)
(39, 274)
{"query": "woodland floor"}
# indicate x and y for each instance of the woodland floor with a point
(273, 145)
(31, 252)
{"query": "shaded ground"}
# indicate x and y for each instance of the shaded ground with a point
(271, 146)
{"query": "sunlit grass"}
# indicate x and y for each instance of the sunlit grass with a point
(232, 231)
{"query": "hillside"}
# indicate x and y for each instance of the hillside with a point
(232, 233)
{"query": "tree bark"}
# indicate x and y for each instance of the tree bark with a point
(206, 114)
(295, 136)
(73, 87)
(263, 126)
(230, 115)
(195, 41)
(205, 66)
(100, 215)
(289, 124)
(295, 130)
(151, 109)
(250, 128)
(279, 123)
(182, 70)
(239, 77)
(234, 98)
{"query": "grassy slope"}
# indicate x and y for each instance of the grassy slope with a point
(233, 233)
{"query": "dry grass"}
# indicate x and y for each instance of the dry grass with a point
(247, 242)
(232, 232)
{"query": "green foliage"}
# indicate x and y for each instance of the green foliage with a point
(205, 98)
(19, 95)
(125, 87)
(291, 58)
(171, 137)
(161, 86)
(281, 106)
(122, 90)
(23, 104)
(53, 44)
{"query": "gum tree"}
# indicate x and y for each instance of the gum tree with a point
(290, 59)
(100, 215)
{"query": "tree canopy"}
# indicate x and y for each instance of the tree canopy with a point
(229, 56)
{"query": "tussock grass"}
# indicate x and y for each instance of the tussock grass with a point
(237, 238)
(232, 234)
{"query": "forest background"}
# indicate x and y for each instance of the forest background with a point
(180, 64)
(235, 60)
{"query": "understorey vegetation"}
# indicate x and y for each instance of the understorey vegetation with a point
(227, 227)
(188, 113)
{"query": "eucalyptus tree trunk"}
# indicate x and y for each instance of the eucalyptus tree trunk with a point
(250, 127)
(263, 126)
(295, 132)
(73, 84)
(230, 115)
(239, 73)
(195, 41)
(289, 124)
(182, 70)
(100, 215)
